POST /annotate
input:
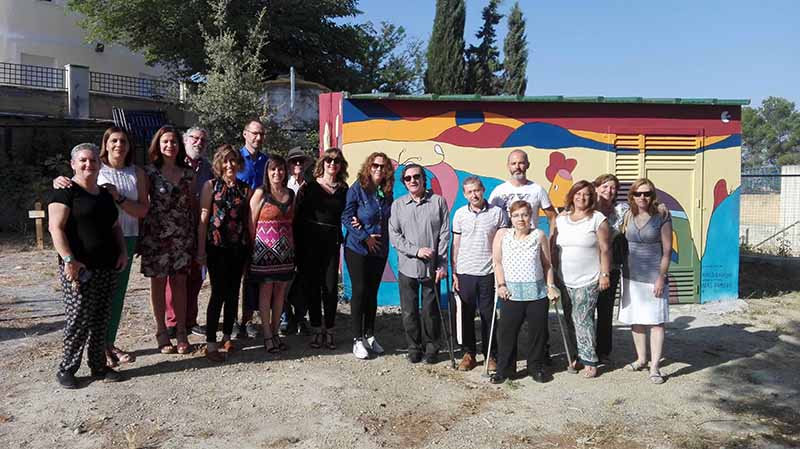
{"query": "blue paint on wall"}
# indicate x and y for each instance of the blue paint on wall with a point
(551, 137)
(719, 272)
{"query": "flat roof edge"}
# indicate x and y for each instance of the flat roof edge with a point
(550, 99)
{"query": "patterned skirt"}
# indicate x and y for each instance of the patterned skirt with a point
(273, 252)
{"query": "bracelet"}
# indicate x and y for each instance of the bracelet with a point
(604, 274)
(552, 286)
(501, 285)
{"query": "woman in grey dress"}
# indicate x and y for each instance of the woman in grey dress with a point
(645, 290)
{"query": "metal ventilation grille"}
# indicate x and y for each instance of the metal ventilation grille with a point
(627, 141)
(671, 143)
(682, 285)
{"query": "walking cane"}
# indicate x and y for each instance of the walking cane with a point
(437, 296)
(450, 323)
(491, 334)
(570, 368)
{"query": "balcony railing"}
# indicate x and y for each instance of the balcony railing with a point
(109, 83)
(42, 77)
(32, 76)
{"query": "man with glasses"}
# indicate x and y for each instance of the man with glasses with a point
(419, 228)
(195, 140)
(474, 228)
(255, 162)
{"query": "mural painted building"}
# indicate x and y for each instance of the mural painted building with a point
(690, 148)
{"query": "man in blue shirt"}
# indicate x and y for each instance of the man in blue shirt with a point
(255, 162)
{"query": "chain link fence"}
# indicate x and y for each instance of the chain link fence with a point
(769, 220)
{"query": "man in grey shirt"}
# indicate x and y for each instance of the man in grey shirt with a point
(419, 228)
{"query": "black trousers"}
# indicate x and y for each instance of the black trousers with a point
(87, 310)
(513, 314)
(422, 327)
(477, 293)
(365, 276)
(605, 315)
(319, 271)
(296, 306)
(225, 266)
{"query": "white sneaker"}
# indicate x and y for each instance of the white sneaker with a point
(374, 345)
(360, 350)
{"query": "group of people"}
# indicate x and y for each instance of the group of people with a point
(260, 224)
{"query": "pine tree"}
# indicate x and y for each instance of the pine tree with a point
(446, 68)
(515, 49)
(483, 61)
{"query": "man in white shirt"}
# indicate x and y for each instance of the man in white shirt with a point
(519, 187)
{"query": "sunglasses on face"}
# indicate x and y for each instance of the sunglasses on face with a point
(415, 177)
(296, 162)
(377, 166)
(333, 160)
(647, 194)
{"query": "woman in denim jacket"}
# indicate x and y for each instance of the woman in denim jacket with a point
(365, 217)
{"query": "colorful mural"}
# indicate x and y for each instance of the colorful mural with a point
(690, 151)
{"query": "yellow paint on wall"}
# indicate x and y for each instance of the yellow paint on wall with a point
(398, 130)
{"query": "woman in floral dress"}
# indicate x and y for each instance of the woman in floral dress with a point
(167, 246)
(272, 264)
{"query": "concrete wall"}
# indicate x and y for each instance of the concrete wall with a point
(48, 33)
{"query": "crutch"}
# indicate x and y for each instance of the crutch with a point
(570, 368)
(450, 323)
(437, 296)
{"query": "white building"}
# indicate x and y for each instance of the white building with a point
(46, 33)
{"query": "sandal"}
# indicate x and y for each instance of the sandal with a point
(122, 356)
(270, 345)
(183, 344)
(635, 366)
(111, 361)
(280, 344)
(317, 340)
(657, 378)
(164, 343)
(330, 340)
(589, 372)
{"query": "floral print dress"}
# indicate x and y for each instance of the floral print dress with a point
(168, 230)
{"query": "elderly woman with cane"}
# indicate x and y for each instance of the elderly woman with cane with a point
(582, 239)
(525, 282)
(91, 251)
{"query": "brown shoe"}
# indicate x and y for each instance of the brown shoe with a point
(492, 364)
(229, 346)
(468, 363)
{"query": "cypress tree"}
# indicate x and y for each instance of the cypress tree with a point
(445, 72)
(483, 61)
(515, 49)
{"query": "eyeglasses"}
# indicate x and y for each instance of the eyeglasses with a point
(255, 133)
(197, 138)
(333, 160)
(377, 166)
(415, 177)
(647, 193)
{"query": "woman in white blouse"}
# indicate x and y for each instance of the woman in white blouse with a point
(584, 260)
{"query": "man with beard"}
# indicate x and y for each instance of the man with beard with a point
(519, 187)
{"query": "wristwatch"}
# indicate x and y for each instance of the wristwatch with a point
(121, 199)
(68, 259)
(604, 275)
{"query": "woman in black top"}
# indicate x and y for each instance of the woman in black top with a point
(320, 203)
(91, 250)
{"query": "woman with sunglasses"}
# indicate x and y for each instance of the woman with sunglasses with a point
(644, 303)
(583, 260)
(369, 201)
(319, 213)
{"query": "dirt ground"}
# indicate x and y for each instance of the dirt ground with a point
(732, 383)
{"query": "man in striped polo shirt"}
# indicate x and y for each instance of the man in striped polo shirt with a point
(474, 227)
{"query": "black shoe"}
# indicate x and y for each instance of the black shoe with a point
(497, 378)
(108, 375)
(67, 380)
(431, 359)
(199, 330)
(283, 329)
(291, 328)
(414, 357)
(540, 376)
(172, 331)
(241, 333)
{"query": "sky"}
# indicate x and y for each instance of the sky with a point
(731, 49)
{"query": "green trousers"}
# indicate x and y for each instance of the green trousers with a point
(118, 300)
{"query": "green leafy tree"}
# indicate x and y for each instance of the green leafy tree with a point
(483, 61)
(515, 51)
(771, 133)
(234, 83)
(307, 34)
(391, 61)
(445, 73)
